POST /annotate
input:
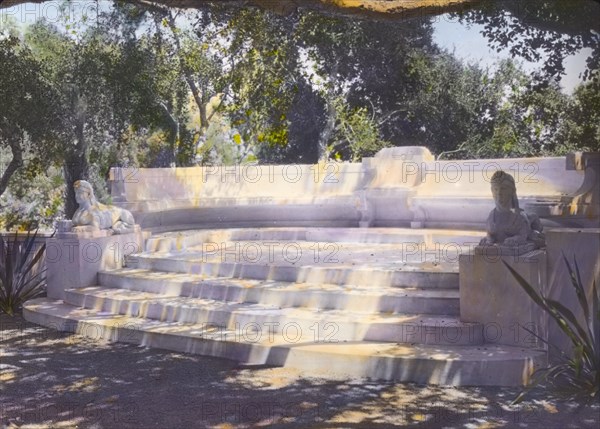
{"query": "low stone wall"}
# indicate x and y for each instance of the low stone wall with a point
(401, 186)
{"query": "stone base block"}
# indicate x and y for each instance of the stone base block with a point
(489, 294)
(74, 261)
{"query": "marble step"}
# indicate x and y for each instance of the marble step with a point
(482, 365)
(407, 255)
(263, 319)
(172, 241)
(384, 274)
(365, 299)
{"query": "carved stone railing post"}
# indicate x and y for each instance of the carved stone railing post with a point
(117, 185)
(587, 200)
(365, 208)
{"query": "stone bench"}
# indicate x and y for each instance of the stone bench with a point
(398, 187)
(238, 196)
(456, 194)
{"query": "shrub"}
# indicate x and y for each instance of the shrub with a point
(33, 199)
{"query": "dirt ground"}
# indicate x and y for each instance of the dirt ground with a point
(59, 380)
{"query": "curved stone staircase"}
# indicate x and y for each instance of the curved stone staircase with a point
(347, 302)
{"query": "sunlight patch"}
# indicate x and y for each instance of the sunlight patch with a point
(267, 379)
(88, 385)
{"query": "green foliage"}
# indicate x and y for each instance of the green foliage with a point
(21, 277)
(533, 30)
(448, 103)
(356, 130)
(263, 80)
(223, 145)
(103, 88)
(580, 129)
(28, 114)
(577, 375)
(9, 25)
(34, 199)
(368, 63)
(165, 99)
(517, 119)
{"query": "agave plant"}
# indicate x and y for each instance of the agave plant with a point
(577, 374)
(21, 278)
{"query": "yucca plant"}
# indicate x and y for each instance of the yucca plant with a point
(21, 278)
(577, 374)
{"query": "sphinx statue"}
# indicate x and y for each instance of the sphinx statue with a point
(510, 231)
(92, 215)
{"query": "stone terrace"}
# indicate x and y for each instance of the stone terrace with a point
(279, 273)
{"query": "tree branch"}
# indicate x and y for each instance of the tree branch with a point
(196, 93)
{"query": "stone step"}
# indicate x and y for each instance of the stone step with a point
(365, 299)
(263, 319)
(172, 241)
(450, 365)
(379, 275)
(319, 253)
(408, 255)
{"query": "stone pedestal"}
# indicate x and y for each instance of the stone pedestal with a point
(117, 184)
(74, 259)
(489, 294)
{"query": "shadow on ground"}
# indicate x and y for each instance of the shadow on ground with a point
(52, 379)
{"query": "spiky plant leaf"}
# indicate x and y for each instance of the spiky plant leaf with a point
(577, 375)
(21, 278)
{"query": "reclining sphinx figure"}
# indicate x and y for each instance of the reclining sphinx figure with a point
(510, 231)
(92, 215)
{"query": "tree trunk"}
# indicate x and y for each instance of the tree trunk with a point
(76, 167)
(199, 96)
(15, 163)
(329, 128)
